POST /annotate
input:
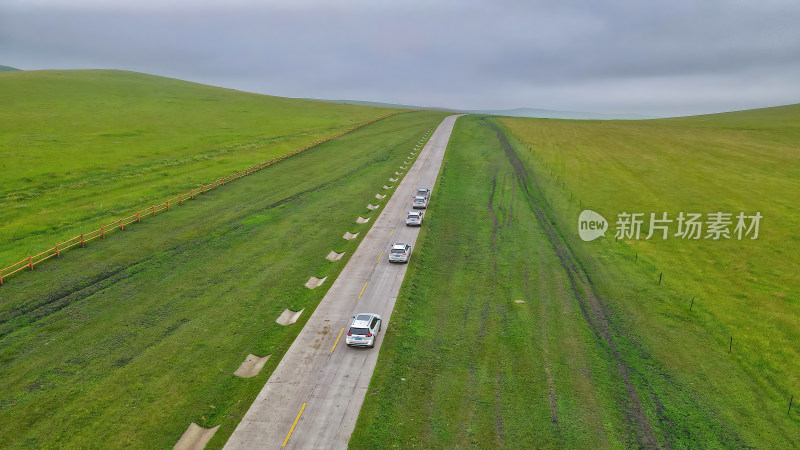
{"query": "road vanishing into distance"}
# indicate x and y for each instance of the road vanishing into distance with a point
(313, 397)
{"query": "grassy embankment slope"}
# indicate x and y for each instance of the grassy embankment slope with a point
(80, 148)
(597, 334)
(129, 340)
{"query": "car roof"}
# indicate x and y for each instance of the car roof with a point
(362, 320)
(414, 212)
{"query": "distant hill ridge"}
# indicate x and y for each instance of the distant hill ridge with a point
(515, 112)
(8, 69)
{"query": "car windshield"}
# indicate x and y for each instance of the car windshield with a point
(398, 250)
(359, 331)
(363, 317)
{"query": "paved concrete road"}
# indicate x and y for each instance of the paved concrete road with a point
(322, 377)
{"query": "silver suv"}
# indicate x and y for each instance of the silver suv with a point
(400, 252)
(363, 330)
(425, 192)
(414, 218)
(420, 202)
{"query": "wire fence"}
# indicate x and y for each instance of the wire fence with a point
(120, 224)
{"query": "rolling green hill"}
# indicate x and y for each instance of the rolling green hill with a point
(80, 148)
(128, 341)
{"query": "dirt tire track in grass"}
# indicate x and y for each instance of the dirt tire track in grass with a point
(548, 365)
(594, 309)
(495, 222)
(498, 412)
(44, 306)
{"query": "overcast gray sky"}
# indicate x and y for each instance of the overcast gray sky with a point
(660, 58)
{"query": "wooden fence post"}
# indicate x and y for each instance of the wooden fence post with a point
(1, 277)
(180, 199)
(192, 192)
(121, 224)
(58, 252)
(82, 242)
(30, 262)
(204, 190)
(103, 232)
(167, 205)
(153, 208)
(138, 217)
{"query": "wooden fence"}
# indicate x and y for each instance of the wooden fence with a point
(119, 225)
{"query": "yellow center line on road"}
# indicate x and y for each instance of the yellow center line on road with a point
(362, 290)
(379, 258)
(390, 234)
(286, 441)
(337, 340)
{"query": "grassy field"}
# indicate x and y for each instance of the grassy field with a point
(463, 364)
(745, 290)
(599, 354)
(128, 341)
(80, 148)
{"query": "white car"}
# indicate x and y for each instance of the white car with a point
(363, 330)
(400, 252)
(414, 218)
(424, 192)
(420, 202)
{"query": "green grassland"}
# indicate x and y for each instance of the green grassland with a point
(126, 342)
(81, 148)
(743, 289)
(463, 365)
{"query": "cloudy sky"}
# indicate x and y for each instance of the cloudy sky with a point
(657, 58)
